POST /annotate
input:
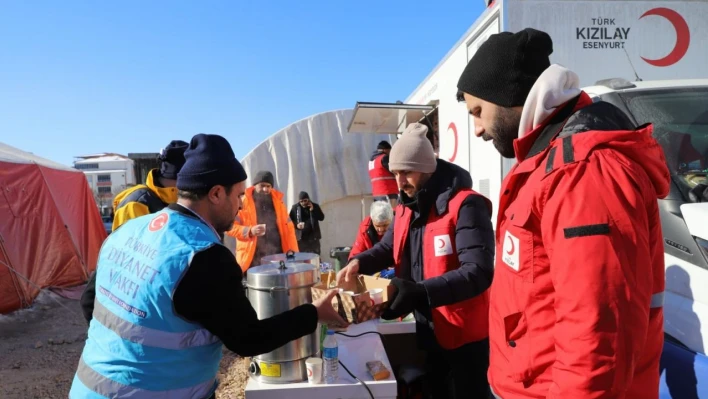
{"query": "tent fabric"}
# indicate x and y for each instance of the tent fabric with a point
(51, 230)
(318, 155)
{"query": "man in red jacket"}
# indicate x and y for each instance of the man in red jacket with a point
(441, 242)
(576, 300)
(373, 227)
(383, 183)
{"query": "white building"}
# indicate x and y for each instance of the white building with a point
(107, 174)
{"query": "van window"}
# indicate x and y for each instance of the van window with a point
(680, 118)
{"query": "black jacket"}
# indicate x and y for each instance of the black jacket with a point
(311, 219)
(211, 294)
(474, 241)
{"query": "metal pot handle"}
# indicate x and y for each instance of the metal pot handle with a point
(290, 255)
(273, 290)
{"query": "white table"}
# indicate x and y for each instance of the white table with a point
(390, 328)
(354, 353)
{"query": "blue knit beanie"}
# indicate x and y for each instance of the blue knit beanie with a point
(209, 161)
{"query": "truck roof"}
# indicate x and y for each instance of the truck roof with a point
(618, 84)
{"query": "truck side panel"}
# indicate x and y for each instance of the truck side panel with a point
(604, 39)
(457, 141)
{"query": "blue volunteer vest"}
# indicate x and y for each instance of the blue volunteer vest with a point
(137, 346)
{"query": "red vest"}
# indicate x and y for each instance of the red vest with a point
(462, 322)
(382, 180)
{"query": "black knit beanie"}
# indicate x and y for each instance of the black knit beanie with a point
(303, 195)
(172, 158)
(506, 66)
(209, 161)
(383, 145)
(264, 177)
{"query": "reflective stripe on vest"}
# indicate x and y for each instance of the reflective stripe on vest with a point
(149, 336)
(657, 300)
(383, 178)
(112, 389)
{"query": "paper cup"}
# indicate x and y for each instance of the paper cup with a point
(314, 370)
(376, 295)
(264, 229)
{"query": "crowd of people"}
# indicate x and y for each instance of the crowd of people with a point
(563, 299)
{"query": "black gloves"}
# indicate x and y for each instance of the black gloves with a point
(408, 297)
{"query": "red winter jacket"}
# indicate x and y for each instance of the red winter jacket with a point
(366, 238)
(576, 300)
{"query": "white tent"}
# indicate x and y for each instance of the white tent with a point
(15, 155)
(318, 155)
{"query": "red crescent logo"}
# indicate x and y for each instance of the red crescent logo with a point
(442, 243)
(158, 222)
(454, 135)
(309, 372)
(683, 36)
(513, 248)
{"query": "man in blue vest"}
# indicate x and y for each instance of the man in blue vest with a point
(169, 294)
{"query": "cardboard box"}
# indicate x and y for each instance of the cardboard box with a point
(359, 307)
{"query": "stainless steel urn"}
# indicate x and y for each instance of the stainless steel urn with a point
(274, 288)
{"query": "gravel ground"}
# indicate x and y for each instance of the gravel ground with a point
(40, 348)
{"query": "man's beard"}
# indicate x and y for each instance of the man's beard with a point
(416, 189)
(223, 223)
(504, 131)
(222, 227)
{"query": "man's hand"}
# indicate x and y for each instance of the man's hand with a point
(300, 225)
(325, 311)
(348, 273)
(311, 206)
(408, 297)
(258, 230)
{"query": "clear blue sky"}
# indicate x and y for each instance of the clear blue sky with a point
(80, 77)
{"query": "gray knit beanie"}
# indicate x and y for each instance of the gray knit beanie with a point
(413, 151)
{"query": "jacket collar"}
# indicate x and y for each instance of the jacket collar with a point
(539, 139)
(183, 210)
(447, 180)
(167, 195)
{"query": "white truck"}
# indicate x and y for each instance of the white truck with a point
(632, 54)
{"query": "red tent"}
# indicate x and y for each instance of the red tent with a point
(50, 228)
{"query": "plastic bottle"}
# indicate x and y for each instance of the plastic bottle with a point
(330, 356)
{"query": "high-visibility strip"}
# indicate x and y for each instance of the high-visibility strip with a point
(244, 232)
(150, 336)
(657, 300)
(383, 178)
(112, 389)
